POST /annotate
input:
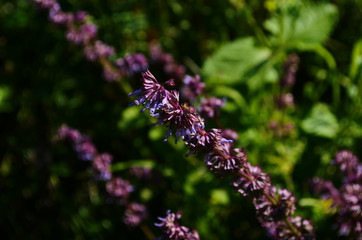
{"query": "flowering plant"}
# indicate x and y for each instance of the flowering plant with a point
(230, 138)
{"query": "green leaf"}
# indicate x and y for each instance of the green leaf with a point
(133, 163)
(320, 207)
(193, 178)
(321, 51)
(131, 118)
(321, 122)
(234, 95)
(356, 61)
(234, 61)
(219, 196)
(5, 93)
(303, 25)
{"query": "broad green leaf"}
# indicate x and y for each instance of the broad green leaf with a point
(233, 61)
(321, 122)
(303, 26)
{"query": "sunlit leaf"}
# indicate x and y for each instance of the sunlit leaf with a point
(356, 61)
(303, 25)
(321, 122)
(234, 61)
(219, 196)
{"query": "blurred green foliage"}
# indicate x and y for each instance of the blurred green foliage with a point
(238, 47)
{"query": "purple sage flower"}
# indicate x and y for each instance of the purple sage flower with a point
(80, 16)
(152, 95)
(57, 16)
(283, 207)
(285, 100)
(110, 74)
(103, 50)
(209, 107)
(350, 213)
(46, 3)
(119, 188)
(303, 226)
(229, 134)
(348, 198)
(225, 159)
(326, 190)
(251, 180)
(135, 213)
(132, 64)
(173, 230)
(204, 141)
(290, 69)
(101, 164)
(348, 163)
(86, 150)
(73, 135)
(192, 88)
(182, 119)
(143, 173)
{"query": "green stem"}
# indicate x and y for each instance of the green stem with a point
(257, 29)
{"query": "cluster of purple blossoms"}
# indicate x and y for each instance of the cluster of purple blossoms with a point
(142, 173)
(166, 62)
(348, 197)
(229, 134)
(81, 31)
(293, 228)
(250, 181)
(135, 213)
(277, 216)
(290, 69)
(119, 188)
(116, 187)
(87, 151)
(284, 205)
(172, 230)
(98, 50)
(280, 129)
(224, 160)
(192, 88)
(285, 100)
(164, 104)
(209, 106)
(274, 207)
(132, 63)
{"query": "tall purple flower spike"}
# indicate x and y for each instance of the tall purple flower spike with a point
(172, 230)
(348, 198)
(275, 208)
(119, 189)
(80, 30)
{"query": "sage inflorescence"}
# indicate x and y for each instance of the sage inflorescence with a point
(274, 206)
(118, 188)
(80, 30)
(347, 199)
